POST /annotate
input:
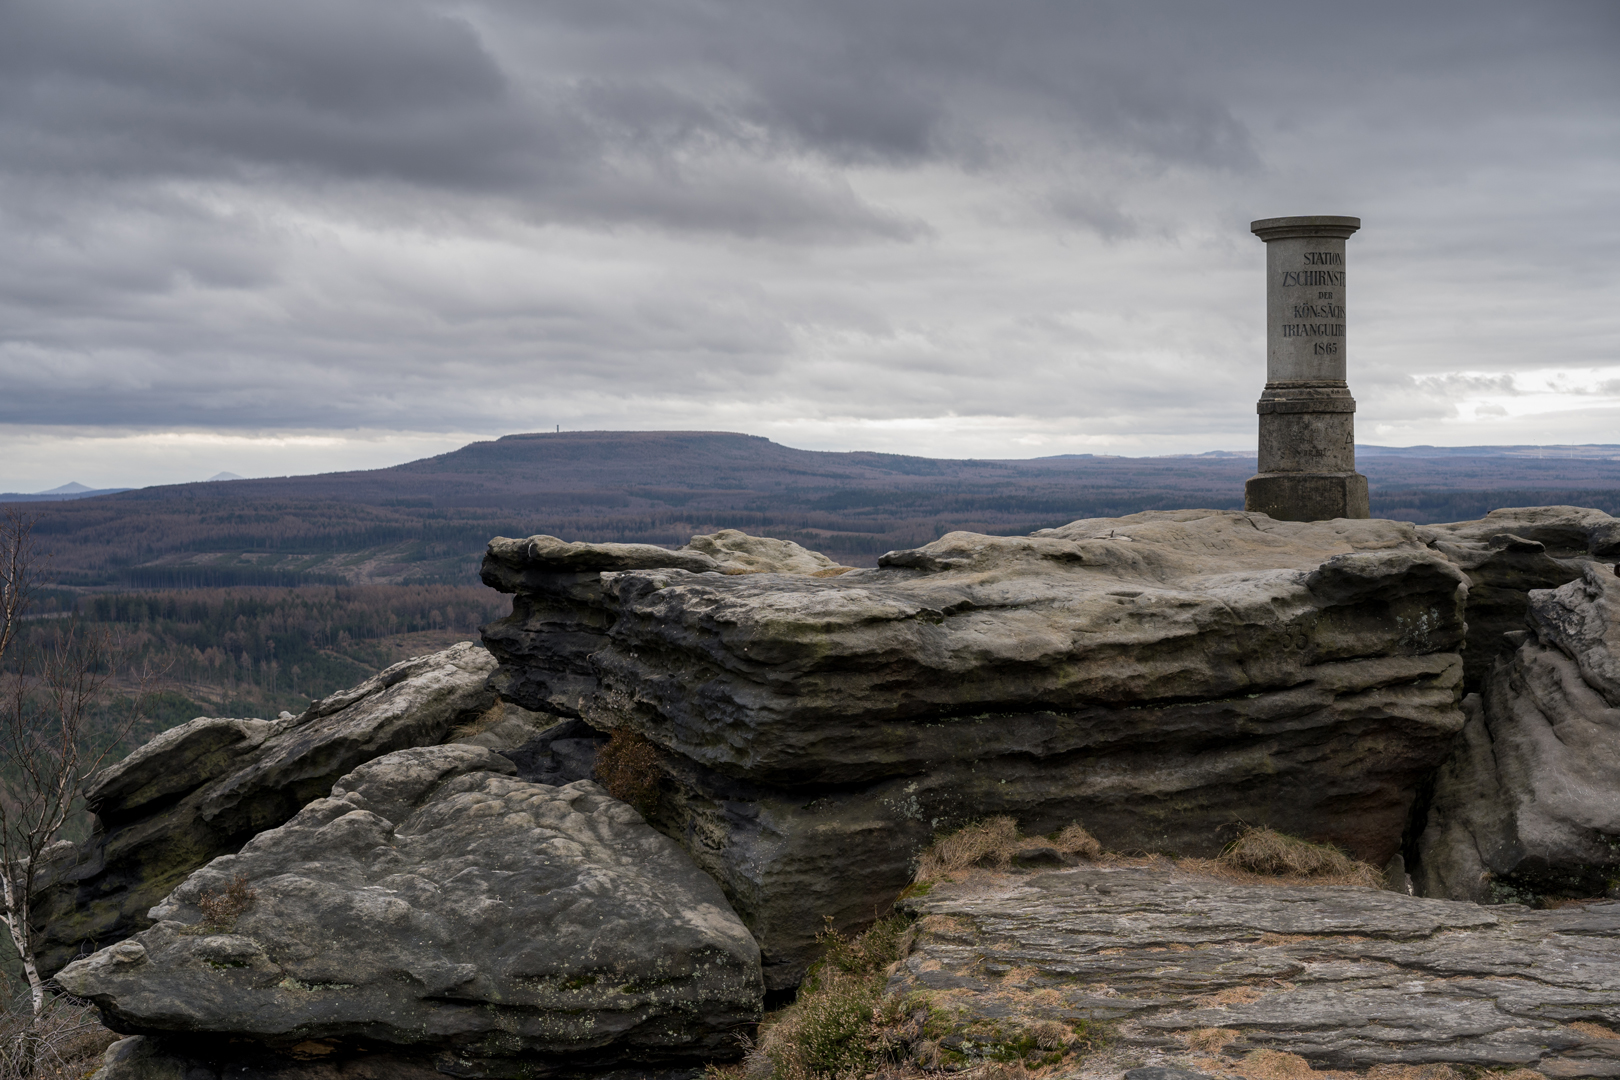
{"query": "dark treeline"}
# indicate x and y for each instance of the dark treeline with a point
(257, 651)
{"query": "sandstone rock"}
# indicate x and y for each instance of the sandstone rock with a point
(1196, 972)
(558, 619)
(435, 903)
(1527, 805)
(1508, 553)
(1158, 677)
(205, 788)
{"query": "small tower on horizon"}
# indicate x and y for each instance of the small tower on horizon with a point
(1307, 416)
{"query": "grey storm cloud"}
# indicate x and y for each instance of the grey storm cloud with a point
(479, 215)
(607, 94)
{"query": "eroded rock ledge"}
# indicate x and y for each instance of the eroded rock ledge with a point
(1196, 972)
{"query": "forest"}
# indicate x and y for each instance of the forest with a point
(253, 651)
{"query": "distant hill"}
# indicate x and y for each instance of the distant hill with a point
(58, 494)
(427, 521)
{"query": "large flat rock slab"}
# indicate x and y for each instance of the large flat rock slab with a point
(436, 904)
(1199, 972)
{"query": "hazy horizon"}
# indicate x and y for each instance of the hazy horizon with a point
(1360, 448)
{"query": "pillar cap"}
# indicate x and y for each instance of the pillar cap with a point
(1290, 228)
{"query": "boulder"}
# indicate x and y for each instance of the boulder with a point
(208, 786)
(436, 905)
(1193, 972)
(1526, 807)
(1160, 677)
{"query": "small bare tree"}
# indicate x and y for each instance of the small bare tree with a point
(46, 750)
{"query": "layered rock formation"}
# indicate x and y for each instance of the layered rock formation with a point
(1159, 677)
(1529, 805)
(205, 788)
(1189, 971)
(438, 908)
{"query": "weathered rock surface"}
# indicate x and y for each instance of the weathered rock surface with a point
(1508, 553)
(558, 619)
(436, 904)
(208, 786)
(1158, 677)
(1529, 803)
(1195, 972)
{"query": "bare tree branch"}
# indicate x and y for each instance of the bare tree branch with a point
(45, 728)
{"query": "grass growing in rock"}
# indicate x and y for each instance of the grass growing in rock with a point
(221, 909)
(994, 844)
(843, 1025)
(627, 766)
(1268, 853)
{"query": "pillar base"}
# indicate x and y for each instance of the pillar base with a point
(1307, 496)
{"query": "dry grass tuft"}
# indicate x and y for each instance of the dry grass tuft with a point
(627, 766)
(1211, 1040)
(1075, 840)
(984, 843)
(1276, 1065)
(1267, 852)
(993, 842)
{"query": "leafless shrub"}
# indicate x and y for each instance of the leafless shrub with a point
(65, 1039)
(222, 909)
(1263, 850)
(628, 767)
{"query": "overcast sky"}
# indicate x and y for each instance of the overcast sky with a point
(318, 234)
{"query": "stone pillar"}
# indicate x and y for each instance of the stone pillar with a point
(1307, 416)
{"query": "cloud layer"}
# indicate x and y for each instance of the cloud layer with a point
(945, 227)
